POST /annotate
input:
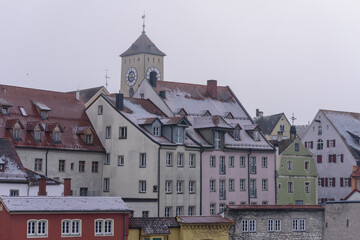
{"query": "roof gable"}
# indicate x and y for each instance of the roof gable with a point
(268, 123)
(142, 45)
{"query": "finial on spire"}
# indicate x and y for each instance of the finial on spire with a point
(106, 78)
(143, 17)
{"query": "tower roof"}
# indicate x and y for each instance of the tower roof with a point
(143, 45)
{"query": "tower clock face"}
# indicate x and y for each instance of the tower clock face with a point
(150, 70)
(131, 76)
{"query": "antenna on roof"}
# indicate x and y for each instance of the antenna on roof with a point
(293, 118)
(143, 17)
(106, 78)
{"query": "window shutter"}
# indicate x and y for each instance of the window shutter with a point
(342, 157)
(306, 144)
(334, 142)
(319, 158)
(322, 182)
(329, 158)
(349, 182)
(326, 182)
(334, 180)
(341, 182)
(312, 145)
(327, 143)
(334, 158)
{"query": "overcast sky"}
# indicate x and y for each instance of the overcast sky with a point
(279, 55)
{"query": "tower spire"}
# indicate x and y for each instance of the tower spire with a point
(143, 17)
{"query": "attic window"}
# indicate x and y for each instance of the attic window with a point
(43, 115)
(179, 135)
(156, 131)
(236, 133)
(5, 111)
(37, 135)
(23, 112)
(16, 133)
(88, 139)
(256, 135)
(217, 139)
(56, 136)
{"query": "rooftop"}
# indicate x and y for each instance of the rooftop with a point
(154, 225)
(274, 207)
(203, 219)
(142, 45)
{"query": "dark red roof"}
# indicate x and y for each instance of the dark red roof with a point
(352, 192)
(274, 207)
(66, 112)
(356, 172)
(203, 219)
(154, 225)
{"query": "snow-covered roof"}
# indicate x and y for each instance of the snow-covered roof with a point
(42, 106)
(65, 204)
(211, 122)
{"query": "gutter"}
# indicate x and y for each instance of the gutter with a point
(249, 175)
(124, 226)
(158, 187)
(201, 151)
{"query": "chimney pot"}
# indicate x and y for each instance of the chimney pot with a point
(212, 88)
(279, 136)
(77, 95)
(67, 187)
(120, 101)
(42, 187)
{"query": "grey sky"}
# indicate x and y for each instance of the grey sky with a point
(279, 55)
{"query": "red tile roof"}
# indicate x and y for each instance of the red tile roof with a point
(203, 219)
(356, 172)
(66, 111)
(352, 192)
(154, 225)
(274, 207)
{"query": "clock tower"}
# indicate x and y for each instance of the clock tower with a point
(142, 61)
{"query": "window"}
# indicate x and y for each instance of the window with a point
(167, 211)
(222, 191)
(264, 163)
(179, 186)
(212, 185)
(339, 158)
(81, 166)
(222, 166)
(192, 161)
(180, 159)
(253, 165)
(298, 225)
(307, 187)
(37, 135)
(270, 225)
(16, 133)
(347, 182)
(331, 182)
(179, 135)
(72, 166)
(319, 130)
(253, 192)
(61, 165)
(122, 132)
(107, 159)
(290, 187)
(319, 182)
(106, 184)
(37, 228)
(256, 135)
(264, 184)
(307, 165)
(282, 127)
(212, 161)
(236, 134)
(308, 144)
(108, 132)
(231, 162)
(168, 186)
(331, 143)
(104, 227)
(156, 131)
(222, 207)
(217, 140)
(142, 186)
(274, 225)
(244, 224)
(320, 144)
(231, 185)
(14, 192)
(88, 139)
(120, 160)
(145, 213)
(289, 165)
(5, 111)
(192, 186)
(100, 110)
(179, 211)
(70, 227)
(242, 161)
(56, 137)
(191, 210)
(297, 147)
(169, 157)
(142, 163)
(95, 166)
(252, 225)
(242, 184)
(43, 115)
(38, 164)
(212, 209)
(83, 191)
(264, 202)
(142, 96)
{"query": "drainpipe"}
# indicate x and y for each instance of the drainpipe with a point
(249, 175)
(124, 226)
(201, 151)
(158, 188)
(46, 162)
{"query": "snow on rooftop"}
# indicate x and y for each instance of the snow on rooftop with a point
(12, 170)
(65, 204)
(42, 106)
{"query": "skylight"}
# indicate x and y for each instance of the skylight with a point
(23, 112)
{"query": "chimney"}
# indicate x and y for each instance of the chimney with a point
(42, 186)
(120, 101)
(77, 95)
(212, 88)
(292, 132)
(153, 78)
(67, 187)
(279, 136)
(162, 94)
(257, 112)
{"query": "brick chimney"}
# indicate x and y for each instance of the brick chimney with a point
(67, 187)
(42, 186)
(212, 88)
(119, 101)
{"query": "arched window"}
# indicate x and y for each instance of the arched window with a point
(320, 144)
(319, 130)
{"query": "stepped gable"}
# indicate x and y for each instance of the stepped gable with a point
(62, 110)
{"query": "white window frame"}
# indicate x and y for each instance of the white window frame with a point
(167, 211)
(179, 135)
(180, 159)
(212, 209)
(231, 162)
(168, 186)
(242, 184)
(192, 160)
(212, 161)
(264, 162)
(108, 132)
(106, 184)
(179, 210)
(271, 225)
(156, 131)
(264, 184)
(277, 225)
(104, 227)
(71, 229)
(142, 186)
(231, 185)
(242, 162)
(212, 185)
(307, 187)
(142, 160)
(252, 225)
(191, 210)
(122, 132)
(179, 186)
(192, 186)
(245, 225)
(169, 159)
(37, 229)
(217, 140)
(121, 160)
(107, 159)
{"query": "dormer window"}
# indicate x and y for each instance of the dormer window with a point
(56, 136)
(43, 115)
(179, 135)
(5, 111)
(88, 139)
(156, 131)
(16, 133)
(37, 135)
(217, 140)
(236, 134)
(256, 135)
(282, 128)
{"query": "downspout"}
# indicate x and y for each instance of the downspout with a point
(125, 226)
(201, 151)
(158, 192)
(249, 175)
(46, 161)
